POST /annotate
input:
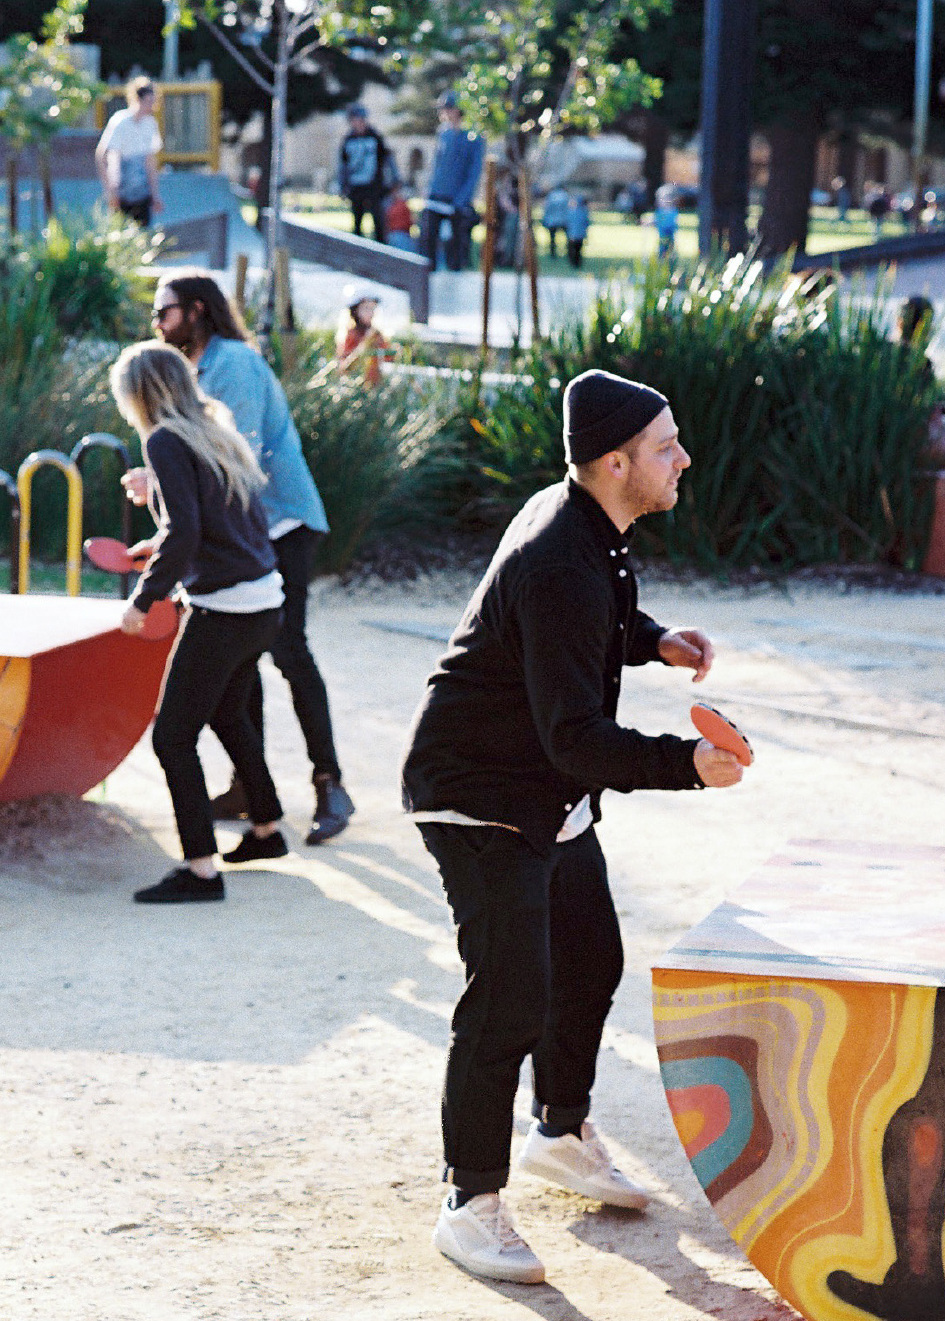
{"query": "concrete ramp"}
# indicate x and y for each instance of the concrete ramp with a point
(187, 195)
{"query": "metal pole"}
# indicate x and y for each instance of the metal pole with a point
(920, 117)
(171, 72)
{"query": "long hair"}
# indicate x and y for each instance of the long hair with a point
(220, 317)
(154, 386)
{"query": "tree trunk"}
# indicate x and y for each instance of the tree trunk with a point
(655, 141)
(13, 190)
(784, 218)
(273, 230)
(848, 159)
(45, 174)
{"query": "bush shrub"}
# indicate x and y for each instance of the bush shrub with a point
(805, 423)
(382, 457)
(50, 396)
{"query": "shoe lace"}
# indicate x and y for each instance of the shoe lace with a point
(501, 1225)
(596, 1149)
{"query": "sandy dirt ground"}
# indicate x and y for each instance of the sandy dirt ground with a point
(230, 1112)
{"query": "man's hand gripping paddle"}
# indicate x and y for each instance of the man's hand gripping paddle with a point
(721, 732)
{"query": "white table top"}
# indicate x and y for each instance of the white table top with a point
(829, 910)
(34, 623)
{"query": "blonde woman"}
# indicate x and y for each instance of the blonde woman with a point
(213, 544)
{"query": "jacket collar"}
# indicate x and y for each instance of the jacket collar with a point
(604, 529)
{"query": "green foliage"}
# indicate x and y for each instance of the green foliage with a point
(41, 91)
(49, 398)
(382, 457)
(805, 423)
(93, 277)
(53, 382)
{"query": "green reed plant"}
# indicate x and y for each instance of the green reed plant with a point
(805, 422)
(381, 457)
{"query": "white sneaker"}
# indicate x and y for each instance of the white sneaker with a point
(581, 1165)
(481, 1237)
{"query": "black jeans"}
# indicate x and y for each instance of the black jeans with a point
(292, 656)
(540, 942)
(368, 201)
(138, 211)
(208, 683)
(456, 249)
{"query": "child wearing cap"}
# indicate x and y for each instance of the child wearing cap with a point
(358, 340)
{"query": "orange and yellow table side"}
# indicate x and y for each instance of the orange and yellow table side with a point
(801, 1037)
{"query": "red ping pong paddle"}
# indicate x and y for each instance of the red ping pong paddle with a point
(111, 555)
(721, 732)
(160, 621)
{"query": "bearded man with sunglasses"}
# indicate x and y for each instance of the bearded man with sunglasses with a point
(192, 312)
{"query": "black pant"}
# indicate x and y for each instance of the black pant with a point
(368, 201)
(138, 211)
(540, 942)
(208, 683)
(292, 656)
(575, 249)
(457, 247)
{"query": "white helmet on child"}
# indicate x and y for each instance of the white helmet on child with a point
(360, 291)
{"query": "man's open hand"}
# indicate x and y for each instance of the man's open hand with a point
(688, 647)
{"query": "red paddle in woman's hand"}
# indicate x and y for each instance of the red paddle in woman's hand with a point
(721, 732)
(111, 555)
(160, 622)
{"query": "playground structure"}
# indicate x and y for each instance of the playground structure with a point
(76, 693)
(801, 1037)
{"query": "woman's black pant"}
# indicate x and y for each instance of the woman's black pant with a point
(208, 683)
(540, 941)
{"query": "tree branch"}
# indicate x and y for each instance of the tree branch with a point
(300, 55)
(237, 55)
(299, 25)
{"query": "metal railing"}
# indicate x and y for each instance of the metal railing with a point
(105, 440)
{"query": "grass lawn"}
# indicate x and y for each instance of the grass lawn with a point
(51, 579)
(613, 244)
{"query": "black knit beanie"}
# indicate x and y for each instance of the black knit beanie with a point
(603, 411)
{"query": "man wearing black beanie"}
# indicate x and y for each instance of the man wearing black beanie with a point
(509, 752)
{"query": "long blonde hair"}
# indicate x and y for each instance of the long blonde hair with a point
(155, 386)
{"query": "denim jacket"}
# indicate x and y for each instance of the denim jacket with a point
(233, 372)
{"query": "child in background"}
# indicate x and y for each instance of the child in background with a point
(358, 340)
(555, 215)
(577, 222)
(399, 220)
(666, 219)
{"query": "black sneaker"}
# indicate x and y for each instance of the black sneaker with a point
(231, 805)
(333, 811)
(251, 848)
(181, 886)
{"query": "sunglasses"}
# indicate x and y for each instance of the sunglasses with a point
(160, 313)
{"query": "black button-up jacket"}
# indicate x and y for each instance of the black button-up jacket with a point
(518, 719)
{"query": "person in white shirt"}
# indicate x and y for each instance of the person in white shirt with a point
(126, 155)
